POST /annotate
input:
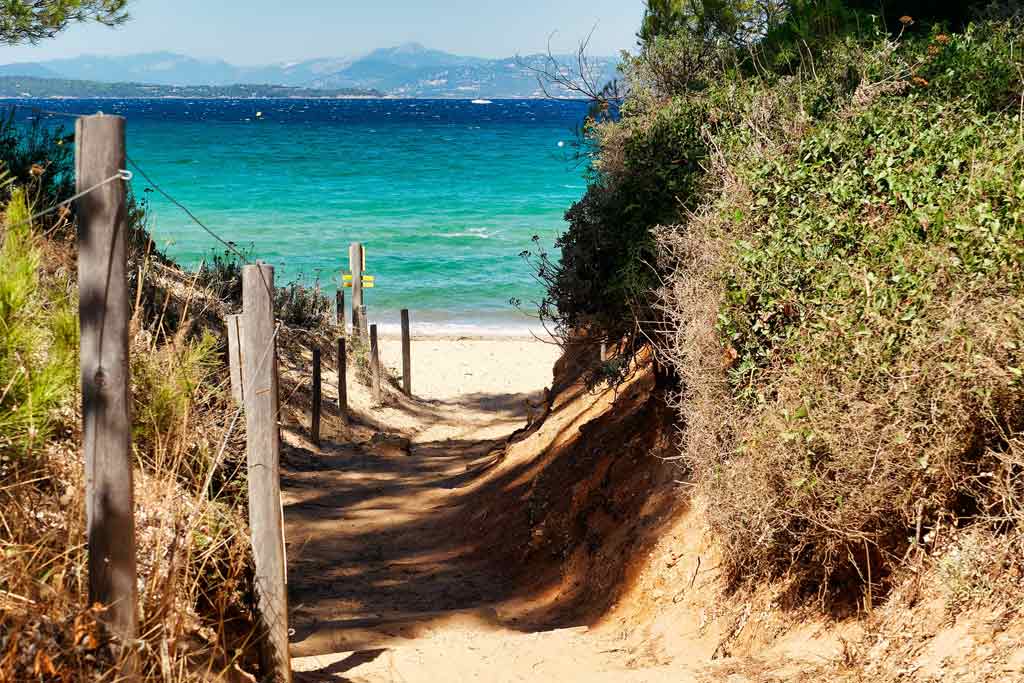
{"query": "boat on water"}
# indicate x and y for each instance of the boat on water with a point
(479, 101)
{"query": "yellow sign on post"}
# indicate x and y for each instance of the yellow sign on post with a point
(368, 280)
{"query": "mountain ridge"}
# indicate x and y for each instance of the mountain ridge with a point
(405, 70)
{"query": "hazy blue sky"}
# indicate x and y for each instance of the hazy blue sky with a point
(265, 31)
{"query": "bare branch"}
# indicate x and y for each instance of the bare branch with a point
(555, 79)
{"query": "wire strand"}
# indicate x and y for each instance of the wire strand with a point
(247, 391)
(227, 243)
(168, 197)
(120, 175)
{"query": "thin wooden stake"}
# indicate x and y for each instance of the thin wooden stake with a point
(315, 421)
(406, 354)
(355, 264)
(234, 325)
(375, 364)
(342, 380)
(364, 323)
(263, 455)
(339, 307)
(106, 400)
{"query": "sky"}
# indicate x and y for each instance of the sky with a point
(271, 31)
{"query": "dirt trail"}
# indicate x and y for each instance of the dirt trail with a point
(380, 587)
(426, 545)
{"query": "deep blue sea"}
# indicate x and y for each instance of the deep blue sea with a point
(443, 194)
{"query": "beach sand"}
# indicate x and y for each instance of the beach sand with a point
(445, 368)
(392, 575)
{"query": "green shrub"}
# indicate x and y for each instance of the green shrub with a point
(847, 315)
(39, 157)
(600, 285)
(981, 67)
(221, 273)
(38, 339)
(297, 305)
(688, 86)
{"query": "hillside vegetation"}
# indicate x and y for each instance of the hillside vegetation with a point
(813, 213)
(193, 549)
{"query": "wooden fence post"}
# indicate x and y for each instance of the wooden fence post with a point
(106, 400)
(363, 323)
(406, 354)
(355, 264)
(339, 306)
(342, 380)
(263, 456)
(374, 364)
(234, 325)
(314, 426)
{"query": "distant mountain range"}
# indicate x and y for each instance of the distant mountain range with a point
(32, 86)
(409, 70)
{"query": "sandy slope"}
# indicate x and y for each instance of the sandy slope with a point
(380, 591)
(394, 530)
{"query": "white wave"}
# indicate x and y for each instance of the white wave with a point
(481, 233)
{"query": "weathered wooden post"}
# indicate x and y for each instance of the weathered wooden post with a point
(106, 399)
(375, 364)
(263, 444)
(339, 306)
(363, 323)
(342, 380)
(314, 426)
(406, 354)
(234, 325)
(355, 262)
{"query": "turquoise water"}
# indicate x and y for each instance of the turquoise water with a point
(444, 195)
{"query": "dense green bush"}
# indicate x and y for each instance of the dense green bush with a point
(302, 306)
(846, 309)
(221, 273)
(600, 286)
(39, 157)
(38, 340)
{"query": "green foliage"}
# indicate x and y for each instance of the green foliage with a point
(909, 165)
(848, 309)
(698, 57)
(981, 67)
(169, 383)
(29, 21)
(601, 284)
(37, 157)
(297, 305)
(38, 340)
(221, 273)
(731, 22)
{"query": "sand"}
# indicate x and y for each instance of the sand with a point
(445, 368)
(381, 589)
(392, 555)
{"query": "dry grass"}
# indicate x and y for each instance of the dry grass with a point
(871, 414)
(192, 541)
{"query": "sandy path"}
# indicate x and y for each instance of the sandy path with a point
(379, 588)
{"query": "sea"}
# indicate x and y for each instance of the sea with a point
(445, 195)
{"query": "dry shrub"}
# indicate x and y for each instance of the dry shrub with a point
(194, 580)
(192, 542)
(846, 316)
